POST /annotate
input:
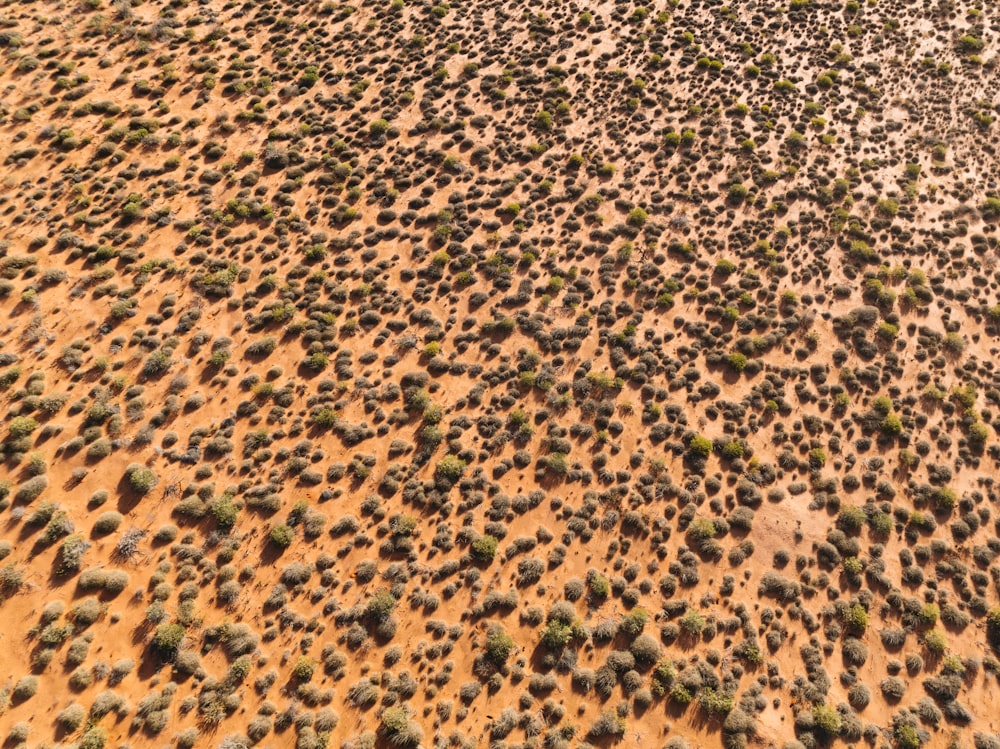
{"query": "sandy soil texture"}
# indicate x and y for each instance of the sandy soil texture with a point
(509, 375)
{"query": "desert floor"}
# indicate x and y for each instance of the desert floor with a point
(499, 374)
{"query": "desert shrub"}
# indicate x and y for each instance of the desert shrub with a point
(71, 717)
(777, 586)
(399, 729)
(71, 553)
(855, 652)
(893, 637)
(484, 548)
(363, 694)
(859, 696)
(282, 536)
(607, 724)
(31, 489)
(107, 522)
(95, 737)
(984, 740)
(140, 478)
(529, 571)
(167, 639)
(380, 606)
(86, 612)
(499, 645)
(18, 734)
(25, 688)
(645, 649)
(892, 688)
(119, 670)
(166, 534)
(583, 679)
(81, 678)
(11, 578)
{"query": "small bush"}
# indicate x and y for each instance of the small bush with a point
(167, 640)
(25, 688)
(107, 522)
(484, 548)
(71, 717)
(282, 536)
(140, 478)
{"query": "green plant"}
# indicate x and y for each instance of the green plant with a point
(891, 424)
(304, 668)
(140, 478)
(484, 548)
(225, 511)
(282, 536)
(450, 468)
(693, 622)
(681, 694)
(935, 641)
(599, 586)
(827, 719)
(499, 645)
(167, 639)
(856, 617)
(557, 635)
(715, 703)
(380, 606)
(700, 446)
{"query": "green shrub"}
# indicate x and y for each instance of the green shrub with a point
(827, 720)
(928, 614)
(380, 606)
(891, 424)
(282, 536)
(225, 511)
(700, 446)
(693, 622)
(851, 518)
(484, 548)
(598, 586)
(140, 478)
(681, 694)
(935, 641)
(856, 618)
(450, 468)
(304, 668)
(167, 640)
(399, 730)
(737, 361)
(715, 703)
(499, 645)
(557, 635)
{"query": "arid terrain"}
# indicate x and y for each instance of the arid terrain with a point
(500, 374)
